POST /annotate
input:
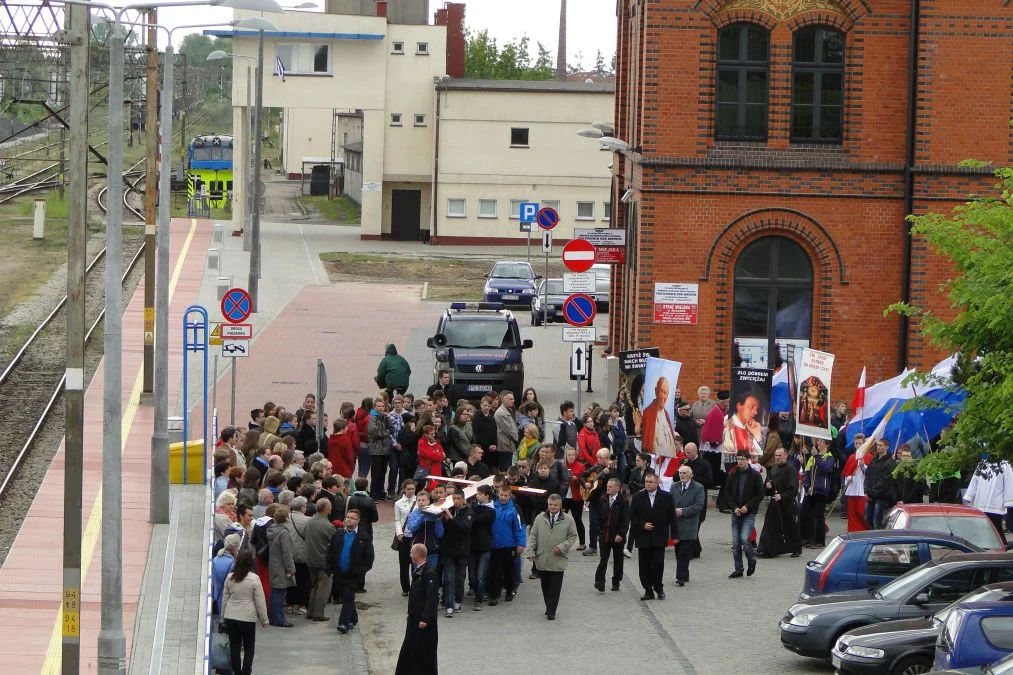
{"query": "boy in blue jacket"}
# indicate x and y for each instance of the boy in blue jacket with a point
(425, 528)
(508, 542)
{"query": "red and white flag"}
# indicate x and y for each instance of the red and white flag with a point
(858, 402)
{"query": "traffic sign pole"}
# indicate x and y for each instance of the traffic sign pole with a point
(529, 247)
(545, 303)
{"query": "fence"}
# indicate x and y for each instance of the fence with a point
(210, 541)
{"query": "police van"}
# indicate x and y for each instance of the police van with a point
(480, 344)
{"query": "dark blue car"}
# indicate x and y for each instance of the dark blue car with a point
(511, 282)
(861, 560)
(975, 634)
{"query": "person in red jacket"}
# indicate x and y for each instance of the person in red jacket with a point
(572, 503)
(361, 422)
(588, 442)
(340, 450)
(431, 454)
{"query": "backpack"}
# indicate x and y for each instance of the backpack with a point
(260, 543)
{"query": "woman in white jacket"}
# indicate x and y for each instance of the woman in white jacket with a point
(402, 507)
(991, 491)
(243, 606)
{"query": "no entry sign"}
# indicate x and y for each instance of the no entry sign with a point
(578, 255)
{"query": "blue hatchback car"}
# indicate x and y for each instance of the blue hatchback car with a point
(975, 634)
(862, 560)
(511, 282)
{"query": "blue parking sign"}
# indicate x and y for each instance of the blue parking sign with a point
(528, 211)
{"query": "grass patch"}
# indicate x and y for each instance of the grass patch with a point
(342, 209)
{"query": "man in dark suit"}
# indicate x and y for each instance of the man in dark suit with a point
(421, 639)
(688, 497)
(651, 515)
(348, 559)
(615, 522)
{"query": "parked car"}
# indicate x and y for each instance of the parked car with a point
(603, 284)
(510, 282)
(556, 298)
(860, 560)
(962, 521)
(812, 627)
(975, 634)
(1001, 667)
(907, 646)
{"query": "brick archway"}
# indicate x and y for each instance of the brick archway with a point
(719, 268)
(841, 13)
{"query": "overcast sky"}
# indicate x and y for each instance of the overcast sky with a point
(591, 24)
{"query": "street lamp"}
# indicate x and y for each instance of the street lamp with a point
(111, 639)
(219, 55)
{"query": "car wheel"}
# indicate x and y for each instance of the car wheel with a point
(913, 665)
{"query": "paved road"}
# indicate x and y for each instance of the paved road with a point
(712, 626)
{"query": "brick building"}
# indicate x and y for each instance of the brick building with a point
(772, 159)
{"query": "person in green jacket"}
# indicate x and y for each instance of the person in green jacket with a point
(393, 372)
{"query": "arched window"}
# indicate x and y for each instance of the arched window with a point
(773, 299)
(743, 66)
(817, 90)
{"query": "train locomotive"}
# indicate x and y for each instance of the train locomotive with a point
(209, 169)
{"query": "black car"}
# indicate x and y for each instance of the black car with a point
(812, 627)
(903, 647)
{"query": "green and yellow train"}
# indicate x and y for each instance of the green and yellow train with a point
(209, 169)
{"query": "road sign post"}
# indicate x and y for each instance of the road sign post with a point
(528, 212)
(578, 255)
(321, 395)
(547, 249)
(580, 309)
(578, 366)
(237, 305)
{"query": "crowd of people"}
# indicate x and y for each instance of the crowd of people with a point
(477, 490)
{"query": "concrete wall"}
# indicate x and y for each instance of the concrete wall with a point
(478, 162)
(306, 132)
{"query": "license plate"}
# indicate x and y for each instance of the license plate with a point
(835, 661)
(511, 297)
(479, 387)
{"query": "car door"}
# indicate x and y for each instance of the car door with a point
(943, 591)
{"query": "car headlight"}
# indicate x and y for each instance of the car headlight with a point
(527, 291)
(866, 652)
(512, 368)
(801, 620)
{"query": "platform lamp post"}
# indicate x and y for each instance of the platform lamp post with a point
(251, 112)
(111, 638)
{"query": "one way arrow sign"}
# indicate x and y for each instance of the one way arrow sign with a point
(578, 360)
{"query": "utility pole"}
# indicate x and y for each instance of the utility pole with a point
(150, 198)
(254, 282)
(112, 643)
(183, 140)
(79, 31)
(561, 49)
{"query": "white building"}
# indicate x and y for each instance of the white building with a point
(386, 99)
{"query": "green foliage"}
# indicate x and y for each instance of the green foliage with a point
(485, 59)
(217, 80)
(977, 239)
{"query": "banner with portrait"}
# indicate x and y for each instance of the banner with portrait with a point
(812, 405)
(749, 410)
(632, 365)
(657, 429)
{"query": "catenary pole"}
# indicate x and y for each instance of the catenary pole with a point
(254, 282)
(150, 181)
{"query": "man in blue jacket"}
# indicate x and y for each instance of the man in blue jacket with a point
(508, 542)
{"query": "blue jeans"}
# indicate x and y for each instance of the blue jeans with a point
(365, 463)
(454, 568)
(875, 509)
(478, 570)
(276, 606)
(741, 527)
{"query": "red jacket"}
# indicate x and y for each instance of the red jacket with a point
(575, 470)
(341, 454)
(588, 445)
(431, 457)
(361, 421)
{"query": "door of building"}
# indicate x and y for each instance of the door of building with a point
(405, 215)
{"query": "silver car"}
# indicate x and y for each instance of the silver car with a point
(603, 282)
(555, 302)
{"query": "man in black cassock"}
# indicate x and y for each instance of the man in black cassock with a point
(421, 639)
(780, 532)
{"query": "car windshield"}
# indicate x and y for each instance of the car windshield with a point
(978, 531)
(829, 552)
(900, 587)
(511, 271)
(555, 286)
(492, 334)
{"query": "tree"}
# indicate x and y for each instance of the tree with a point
(576, 65)
(217, 74)
(977, 240)
(599, 64)
(612, 67)
(484, 59)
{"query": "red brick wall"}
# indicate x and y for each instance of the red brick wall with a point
(700, 202)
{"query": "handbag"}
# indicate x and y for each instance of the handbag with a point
(420, 473)
(220, 653)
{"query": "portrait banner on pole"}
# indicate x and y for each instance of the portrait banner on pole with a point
(749, 410)
(661, 377)
(812, 407)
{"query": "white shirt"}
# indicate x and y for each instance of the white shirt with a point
(650, 496)
(991, 494)
(664, 440)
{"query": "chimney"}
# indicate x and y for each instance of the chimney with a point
(452, 16)
(381, 8)
(561, 49)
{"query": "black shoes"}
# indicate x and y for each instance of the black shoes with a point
(600, 587)
(493, 602)
(615, 587)
(550, 617)
(735, 575)
(661, 595)
(509, 597)
(321, 618)
(647, 596)
(680, 584)
(342, 628)
(750, 569)
(796, 554)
